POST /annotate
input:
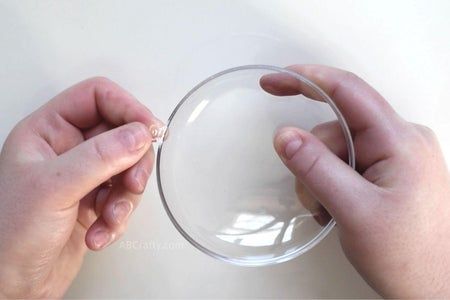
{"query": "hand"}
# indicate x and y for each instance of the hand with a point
(393, 213)
(70, 175)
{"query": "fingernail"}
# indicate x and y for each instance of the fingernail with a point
(101, 239)
(136, 137)
(121, 210)
(141, 176)
(290, 143)
(268, 87)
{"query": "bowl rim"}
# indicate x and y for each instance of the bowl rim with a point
(301, 249)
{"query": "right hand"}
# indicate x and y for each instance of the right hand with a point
(393, 213)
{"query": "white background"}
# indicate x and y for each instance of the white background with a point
(159, 49)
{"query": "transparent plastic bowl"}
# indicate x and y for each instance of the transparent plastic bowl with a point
(220, 179)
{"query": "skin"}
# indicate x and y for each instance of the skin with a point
(63, 169)
(70, 174)
(392, 212)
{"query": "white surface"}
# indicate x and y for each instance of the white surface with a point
(160, 49)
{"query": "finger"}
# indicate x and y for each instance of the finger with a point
(60, 122)
(281, 84)
(96, 130)
(48, 134)
(99, 235)
(113, 219)
(86, 209)
(100, 201)
(339, 188)
(372, 121)
(119, 206)
(330, 133)
(96, 160)
(91, 206)
(135, 179)
(362, 106)
(308, 200)
(91, 101)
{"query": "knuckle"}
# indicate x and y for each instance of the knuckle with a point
(417, 140)
(101, 152)
(133, 136)
(344, 80)
(351, 80)
(350, 76)
(99, 81)
(426, 131)
(425, 136)
(102, 86)
(310, 168)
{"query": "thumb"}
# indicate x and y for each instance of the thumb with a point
(89, 164)
(339, 188)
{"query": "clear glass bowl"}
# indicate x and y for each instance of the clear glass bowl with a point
(219, 177)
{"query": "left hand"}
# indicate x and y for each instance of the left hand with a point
(70, 175)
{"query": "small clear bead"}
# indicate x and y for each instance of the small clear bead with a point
(157, 132)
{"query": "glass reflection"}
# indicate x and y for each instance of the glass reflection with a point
(256, 230)
(197, 110)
